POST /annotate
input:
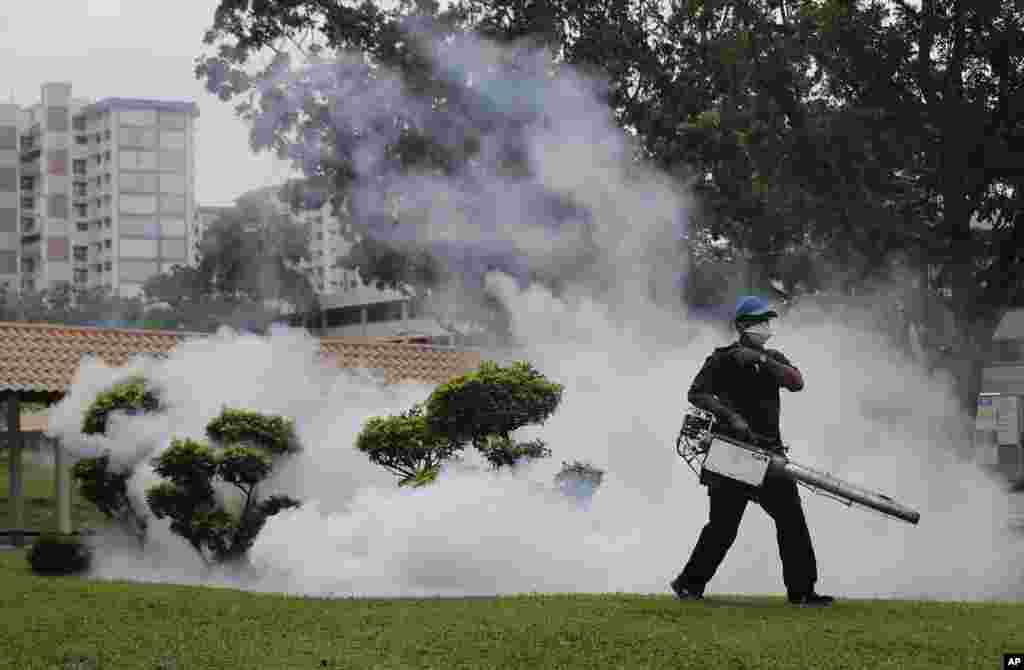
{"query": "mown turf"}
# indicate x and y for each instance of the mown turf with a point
(68, 622)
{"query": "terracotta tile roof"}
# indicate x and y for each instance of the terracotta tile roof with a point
(399, 361)
(45, 357)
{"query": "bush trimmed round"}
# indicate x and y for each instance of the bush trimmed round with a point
(55, 554)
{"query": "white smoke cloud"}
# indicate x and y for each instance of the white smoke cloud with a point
(867, 415)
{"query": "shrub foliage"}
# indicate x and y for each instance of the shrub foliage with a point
(55, 554)
(106, 487)
(246, 445)
(405, 446)
(101, 483)
(481, 409)
(134, 393)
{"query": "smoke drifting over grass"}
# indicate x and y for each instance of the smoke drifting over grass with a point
(866, 415)
(626, 362)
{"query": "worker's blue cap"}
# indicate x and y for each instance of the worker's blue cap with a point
(752, 307)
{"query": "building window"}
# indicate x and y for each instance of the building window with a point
(57, 162)
(173, 120)
(108, 243)
(138, 183)
(138, 160)
(81, 210)
(107, 266)
(172, 160)
(81, 275)
(137, 137)
(83, 227)
(172, 140)
(57, 119)
(172, 204)
(81, 252)
(78, 123)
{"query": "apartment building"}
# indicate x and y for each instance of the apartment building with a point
(105, 190)
(10, 178)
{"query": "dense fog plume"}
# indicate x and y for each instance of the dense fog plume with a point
(626, 362)
(867, 415)
(552, 189)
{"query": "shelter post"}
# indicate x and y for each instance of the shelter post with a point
(61, 481)
(15, 441)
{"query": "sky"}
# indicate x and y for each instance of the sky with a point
(136, 49)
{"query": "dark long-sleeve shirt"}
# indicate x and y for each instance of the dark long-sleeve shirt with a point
(750, 390)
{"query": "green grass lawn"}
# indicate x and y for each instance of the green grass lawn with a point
(69, 622)
(40, 510)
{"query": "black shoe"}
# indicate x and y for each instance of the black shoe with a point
(684, 592)
(811, 599)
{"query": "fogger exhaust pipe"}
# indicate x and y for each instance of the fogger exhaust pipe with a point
(697, 436)
(832, 485)
(845, 490)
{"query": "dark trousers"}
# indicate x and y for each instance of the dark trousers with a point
(779, 497)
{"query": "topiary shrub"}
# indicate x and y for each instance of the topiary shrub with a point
(485, 406)
(405, 446)
(503, 452)
(100, 483)
(132, 394)
(56, 554)
(247, 444)
(107, 489)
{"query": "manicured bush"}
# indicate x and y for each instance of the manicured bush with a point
(405, 446)
(134, 393)
(247, 445)
(106, 487)
(481, 408)
(101, 483)
(492, 400)
(56, 554)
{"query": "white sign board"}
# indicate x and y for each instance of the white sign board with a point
(736, 462)
(1007, 419)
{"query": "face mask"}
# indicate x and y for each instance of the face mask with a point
(759, 333)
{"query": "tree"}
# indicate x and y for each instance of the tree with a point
(945, 79)
(102, 482)
(854, 131)
(247, 446)
(365, 156)
(484, 407)
(180, 287)
(481, 408)
(405, 446)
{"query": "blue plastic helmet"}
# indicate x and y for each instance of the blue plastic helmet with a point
(753, 308)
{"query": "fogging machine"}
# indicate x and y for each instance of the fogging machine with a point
(703, 448)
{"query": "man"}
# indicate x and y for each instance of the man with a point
(740, 385)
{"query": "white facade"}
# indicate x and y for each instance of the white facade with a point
(105, 191)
